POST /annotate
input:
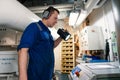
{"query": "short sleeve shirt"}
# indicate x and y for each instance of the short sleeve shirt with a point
(41, 55)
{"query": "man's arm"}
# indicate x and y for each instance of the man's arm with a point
(22, 63)
(57, 41)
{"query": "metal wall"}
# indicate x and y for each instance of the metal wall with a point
(116, 11)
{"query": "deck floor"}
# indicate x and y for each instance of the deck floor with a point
(58, 74)
(61, 76)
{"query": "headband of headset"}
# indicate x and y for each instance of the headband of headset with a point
(47, 12)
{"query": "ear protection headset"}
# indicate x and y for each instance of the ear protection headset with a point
(46, 14)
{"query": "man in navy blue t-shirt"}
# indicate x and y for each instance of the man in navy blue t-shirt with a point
(36, 56)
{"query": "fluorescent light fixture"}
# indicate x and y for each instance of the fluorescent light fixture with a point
(81, 18)
(73, 18)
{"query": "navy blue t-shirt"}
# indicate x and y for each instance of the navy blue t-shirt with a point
(41, 55)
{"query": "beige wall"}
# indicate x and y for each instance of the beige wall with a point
(57, 52)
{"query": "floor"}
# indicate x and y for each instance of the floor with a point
(58, 74)
(61, 76)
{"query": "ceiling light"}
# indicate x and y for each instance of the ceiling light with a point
(81, 17)
(73, 17)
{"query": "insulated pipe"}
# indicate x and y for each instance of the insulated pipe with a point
(15, 15)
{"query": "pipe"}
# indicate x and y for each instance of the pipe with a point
(60, 7)
(100, 4)
(15, 15)
(89, 6)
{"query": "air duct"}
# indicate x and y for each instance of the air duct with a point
(15, 15)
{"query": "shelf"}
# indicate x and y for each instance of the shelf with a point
(68, 56)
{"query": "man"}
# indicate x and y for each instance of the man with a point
(35, 51)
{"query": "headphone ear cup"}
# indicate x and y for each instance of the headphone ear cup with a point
(45, 14)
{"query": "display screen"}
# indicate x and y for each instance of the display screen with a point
(76, 69)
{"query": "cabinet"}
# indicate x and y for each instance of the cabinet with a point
(7, 36)
(68, 56)
(91, 38)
